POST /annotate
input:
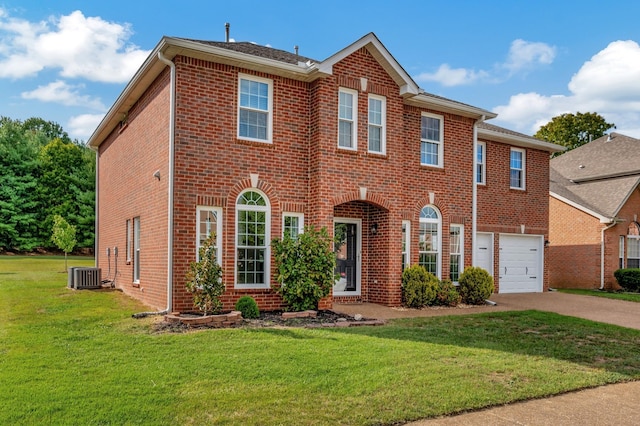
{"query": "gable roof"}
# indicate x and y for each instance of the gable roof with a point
(500, 134)
(274, 61)
(597, 177)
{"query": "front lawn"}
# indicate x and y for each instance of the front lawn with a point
(77, 357)
(630, 297)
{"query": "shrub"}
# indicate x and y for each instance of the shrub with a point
(306, 268)
(476, 285)
(248, 306)
(204, 279)
(447, 294)
(419, 287)
(628, 278)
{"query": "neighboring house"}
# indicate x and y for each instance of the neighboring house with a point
(252, 142)
(594, 208)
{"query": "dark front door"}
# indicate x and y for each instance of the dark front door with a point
(346, 249)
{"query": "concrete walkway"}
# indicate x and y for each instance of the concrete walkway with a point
(606, 405)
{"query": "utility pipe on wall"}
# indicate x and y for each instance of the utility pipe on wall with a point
(172, 116)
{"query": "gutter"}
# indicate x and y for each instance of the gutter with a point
(172, 119)
(474, 196)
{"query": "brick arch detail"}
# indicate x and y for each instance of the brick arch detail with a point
(372, 198)
(265, 187)
(424, 201)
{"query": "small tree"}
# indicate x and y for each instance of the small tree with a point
(306, 268)
(204, 279)
(574, 130)
(64, 236)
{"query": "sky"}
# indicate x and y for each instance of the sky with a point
(528, 61)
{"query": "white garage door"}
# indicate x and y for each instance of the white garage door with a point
(520, 264)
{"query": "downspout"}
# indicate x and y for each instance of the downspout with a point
(474, 196)
(615, 222)
(172, 117)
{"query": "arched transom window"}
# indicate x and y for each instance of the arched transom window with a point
(429, 242)
(252, 240)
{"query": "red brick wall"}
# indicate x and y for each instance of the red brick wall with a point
(503, 210)
(575, 250)
(127, 189)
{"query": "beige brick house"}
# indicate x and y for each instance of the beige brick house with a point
(594, 209)
(252, 142)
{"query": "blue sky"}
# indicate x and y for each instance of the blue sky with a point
(67, 61)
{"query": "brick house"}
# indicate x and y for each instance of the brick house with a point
(594, 208)
(252, 142)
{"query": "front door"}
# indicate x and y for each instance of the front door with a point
(347, 249)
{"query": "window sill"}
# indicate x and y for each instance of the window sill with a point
(254, 142)
(380, 155)
(430, 166)
(136, 284)
(347, 151)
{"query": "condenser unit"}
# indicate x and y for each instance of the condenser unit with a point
(85, 278)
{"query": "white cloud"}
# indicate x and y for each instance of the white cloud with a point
(608, 84)
(82, 126)
(65, 94)
(525, 54)
(79, 46)
(448, 77)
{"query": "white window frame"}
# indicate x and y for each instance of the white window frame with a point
(406, 243)
(621, 252)
(353, 119)
(481, 163)
(268, 111)
(200, 237)
(522, 170)
(633, 249)
(267, 239)
(460, 253)
(382, 125)
(438, 142)
(136, 250)
(437, 247)
(129, 240)
(299, 216)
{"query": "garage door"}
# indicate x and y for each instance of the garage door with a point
(520, 264)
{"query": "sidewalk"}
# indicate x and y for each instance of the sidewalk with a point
(617, 404)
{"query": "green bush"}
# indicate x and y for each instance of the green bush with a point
(448, 294)
(306, 268)
(248, 306)
(476, 285)
(628, 278)
(419, 287)
(204, 279)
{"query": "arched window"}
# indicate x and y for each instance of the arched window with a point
(253, 218)
(429, 242)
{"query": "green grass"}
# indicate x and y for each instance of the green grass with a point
(630, 297)
(77, 357)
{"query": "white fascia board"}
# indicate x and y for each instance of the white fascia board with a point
(603, 219)
(523, 142)
(445, 105)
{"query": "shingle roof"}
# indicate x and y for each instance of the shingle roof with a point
(599, 175)
(256, 50)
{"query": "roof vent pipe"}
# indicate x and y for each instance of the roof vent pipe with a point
(226, 32)
(296, 49)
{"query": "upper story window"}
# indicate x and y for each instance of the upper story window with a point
(431, 140)
(255, 108)
(481, 162)
(252, 240)
(377, 124)
(209, 221)
(292, 225)
(517, 168)
(347, 119)
(429, 243)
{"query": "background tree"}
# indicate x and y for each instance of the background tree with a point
(43, 173)
(573, 130)
(63, 236)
